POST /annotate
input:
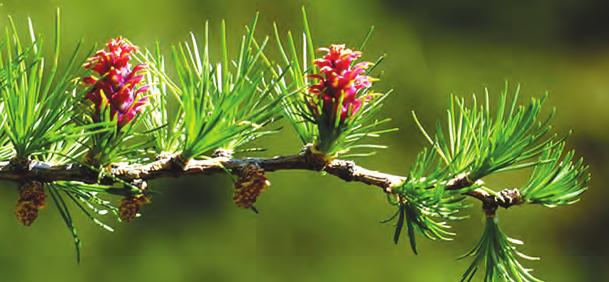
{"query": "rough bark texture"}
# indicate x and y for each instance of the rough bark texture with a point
(174, 166)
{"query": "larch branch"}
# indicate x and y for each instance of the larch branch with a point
(172, 166)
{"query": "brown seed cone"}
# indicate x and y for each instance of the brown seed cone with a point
(26, 212)
(33, 191)
(130, 207)
(31, 199)
(251, 183)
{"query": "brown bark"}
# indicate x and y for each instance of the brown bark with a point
(173, 166)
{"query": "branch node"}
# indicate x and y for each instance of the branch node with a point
(222, 153)
(509, 197)
(505, 199)
(180, 161)
(459, 182)
(315, 159)
(164, 156)
(19, 164)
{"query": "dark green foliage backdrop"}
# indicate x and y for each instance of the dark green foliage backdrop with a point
(316, 228)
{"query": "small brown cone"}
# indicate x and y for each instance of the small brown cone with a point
(26, 213)
(31, 200)
(251, 183)
(130, 207)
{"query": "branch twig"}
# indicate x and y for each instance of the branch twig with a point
(171, 166)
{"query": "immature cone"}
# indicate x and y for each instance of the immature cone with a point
(340, 82)
(251, 183)
(116, 85)
(31, 199)
(131, 205)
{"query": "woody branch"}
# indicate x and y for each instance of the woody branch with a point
(172, 166)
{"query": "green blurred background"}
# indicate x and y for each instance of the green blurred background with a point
(318, 228)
